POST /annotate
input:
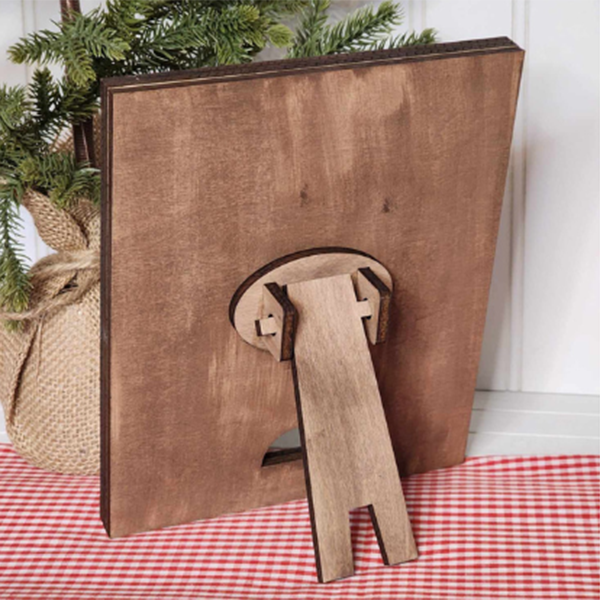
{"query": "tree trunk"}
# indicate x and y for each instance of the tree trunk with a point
(83, 133)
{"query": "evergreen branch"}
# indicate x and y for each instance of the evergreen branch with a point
(98, 39)
(279, 35)
(141, 36)
(59, 176)
(193, 34)
(76, 104)
(167, 44)
(276, 9)
(45, 96)
(14, 106)
(19, 133)
(313, 23)
(364, 29)
(361, 29)
(28, 117)
(55, 106)
(38, 47)
(427, 36)
(77, 42)
(14, 281)
(238, 33)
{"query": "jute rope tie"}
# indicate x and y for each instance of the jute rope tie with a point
(83, 264)
(63, 266)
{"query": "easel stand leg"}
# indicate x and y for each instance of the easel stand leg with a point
(348, 455)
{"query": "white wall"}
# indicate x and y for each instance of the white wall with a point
(543, 331)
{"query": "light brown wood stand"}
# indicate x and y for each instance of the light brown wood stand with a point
(314, 316)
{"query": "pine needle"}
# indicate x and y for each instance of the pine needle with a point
(366, 28)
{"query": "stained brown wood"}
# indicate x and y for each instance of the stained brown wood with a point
(348, 455)
(372, 289)
(214, 173)
(279, 315)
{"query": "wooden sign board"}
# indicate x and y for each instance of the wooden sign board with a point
(211, 174)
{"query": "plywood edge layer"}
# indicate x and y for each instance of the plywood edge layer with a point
(105, 303)
(290, 66)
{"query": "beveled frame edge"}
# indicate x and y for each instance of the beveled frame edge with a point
(112, 85)
(105, 304)
(292, 66)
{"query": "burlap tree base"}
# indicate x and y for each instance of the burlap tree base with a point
(49, 373)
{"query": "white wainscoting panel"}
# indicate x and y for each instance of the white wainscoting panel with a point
(532, 423)
(467, 19)
(11, 27)
(485, 19)
(561, 349)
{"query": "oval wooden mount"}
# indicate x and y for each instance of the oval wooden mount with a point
(258, 312)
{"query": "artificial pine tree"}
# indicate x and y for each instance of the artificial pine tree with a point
(126, 37)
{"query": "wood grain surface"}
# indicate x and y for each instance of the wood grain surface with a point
(212, 174)
(348, 455)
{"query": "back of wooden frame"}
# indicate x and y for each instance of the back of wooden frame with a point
(211, 174)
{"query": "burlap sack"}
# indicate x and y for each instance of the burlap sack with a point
(49, 371)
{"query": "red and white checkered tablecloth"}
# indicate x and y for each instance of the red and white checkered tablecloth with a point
(495, 527)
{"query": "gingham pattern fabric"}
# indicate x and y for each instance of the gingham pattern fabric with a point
(494, 527)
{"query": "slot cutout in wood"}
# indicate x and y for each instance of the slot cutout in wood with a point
(285, 448)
